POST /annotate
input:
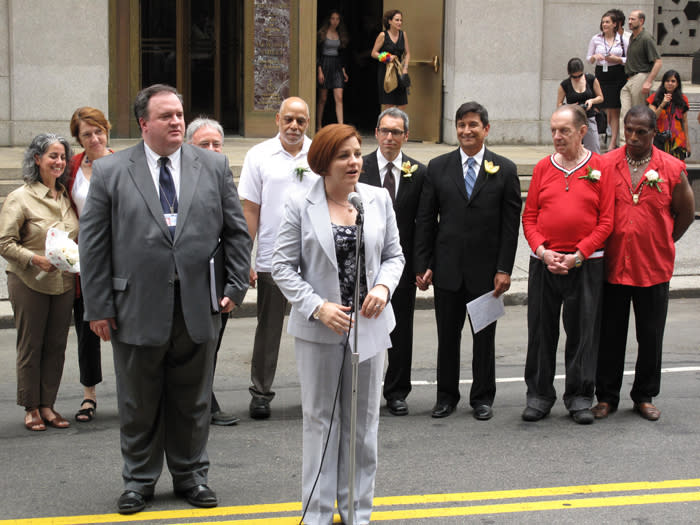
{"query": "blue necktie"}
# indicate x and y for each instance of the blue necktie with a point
(470, 177)
(168, 196)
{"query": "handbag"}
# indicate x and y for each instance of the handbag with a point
(661, 138)
(404, 79)
(391, 76)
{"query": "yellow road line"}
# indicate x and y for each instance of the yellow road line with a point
(417, 499)
(565, 504)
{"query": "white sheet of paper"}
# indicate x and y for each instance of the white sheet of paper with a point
(372, 337)
(485, 310)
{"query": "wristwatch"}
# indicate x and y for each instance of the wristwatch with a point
(317, 312)
(577, 262)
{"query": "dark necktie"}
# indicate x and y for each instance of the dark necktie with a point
(168, 196)
(390, 183)
(470, 177)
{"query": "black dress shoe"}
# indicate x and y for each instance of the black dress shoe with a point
(397, 407)
(199, 496)
(533, 414)
(131, 502)
(582, 417)
(259, 408)
(223, 418)
(442, 410)
(483, 412)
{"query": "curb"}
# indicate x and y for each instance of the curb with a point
(423, 302)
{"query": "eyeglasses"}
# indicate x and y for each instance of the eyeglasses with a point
(205, 144)
(577, 76)
(393, 132)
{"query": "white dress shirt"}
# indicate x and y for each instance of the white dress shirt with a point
(396, 170)
(174, 165)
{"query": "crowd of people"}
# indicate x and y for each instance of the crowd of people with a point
(343, 252)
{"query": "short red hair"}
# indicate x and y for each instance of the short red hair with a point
(91, 116)
(326, 144)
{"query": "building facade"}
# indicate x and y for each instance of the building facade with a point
(235, 60)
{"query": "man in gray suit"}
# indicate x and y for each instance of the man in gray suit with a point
(155, 213)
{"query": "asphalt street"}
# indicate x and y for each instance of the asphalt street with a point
(455, 470)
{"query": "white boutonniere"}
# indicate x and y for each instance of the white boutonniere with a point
(591, 175)
(408, 169)
(653, 180)
(490, 168)
(299, 172)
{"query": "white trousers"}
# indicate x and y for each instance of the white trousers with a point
(319, 369)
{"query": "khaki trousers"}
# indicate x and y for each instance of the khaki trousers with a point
(631, 95)
(42, 322)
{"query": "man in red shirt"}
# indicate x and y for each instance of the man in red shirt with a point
(568, 215)
(654, 206)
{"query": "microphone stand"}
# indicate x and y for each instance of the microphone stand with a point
(355, 361)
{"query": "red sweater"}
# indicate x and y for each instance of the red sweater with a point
(565, 221)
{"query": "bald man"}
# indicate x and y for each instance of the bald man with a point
(272, 170)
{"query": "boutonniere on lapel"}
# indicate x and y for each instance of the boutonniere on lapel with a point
(653, 180)
(591, 175)
(299, 172)
(408, 169)
(490, 168)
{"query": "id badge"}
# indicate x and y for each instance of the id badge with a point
(605, 67)
(170, 219)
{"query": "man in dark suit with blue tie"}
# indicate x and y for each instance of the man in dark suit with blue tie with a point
(154, 214)
(403, 177)
(466, 238)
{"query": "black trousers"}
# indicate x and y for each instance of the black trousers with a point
(578, 296)
(450, 314)
(397, 381)
(89, 354)
(650, 309)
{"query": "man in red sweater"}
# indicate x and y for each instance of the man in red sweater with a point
(568, 215)
(654, 206)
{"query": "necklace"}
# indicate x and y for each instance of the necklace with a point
(345, 205)
(88, 162)
(636, 164)
(567, 171)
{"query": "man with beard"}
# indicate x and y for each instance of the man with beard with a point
(272, 170)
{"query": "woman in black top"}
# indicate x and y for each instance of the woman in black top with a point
(584, 90)
(395, 42)
(332, 42)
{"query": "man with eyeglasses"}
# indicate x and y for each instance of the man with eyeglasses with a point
(208, 134)
(403, 177)
(654, 206)
(272, 170)
(466, 238)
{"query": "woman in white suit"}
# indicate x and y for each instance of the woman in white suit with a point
(313, 265)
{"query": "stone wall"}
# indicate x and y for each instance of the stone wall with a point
(511, 56)
(54, 57)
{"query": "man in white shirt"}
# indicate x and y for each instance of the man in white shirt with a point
(272, 170)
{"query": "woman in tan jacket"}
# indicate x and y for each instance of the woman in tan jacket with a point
(42, 308)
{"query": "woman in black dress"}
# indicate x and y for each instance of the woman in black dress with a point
(395, 42)
(332, 42)
(582, 89)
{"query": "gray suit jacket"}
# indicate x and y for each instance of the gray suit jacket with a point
(304, 263)
(129, 261)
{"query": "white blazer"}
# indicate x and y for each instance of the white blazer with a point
(304, 263)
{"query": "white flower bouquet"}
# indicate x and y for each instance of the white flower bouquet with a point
(61, 251)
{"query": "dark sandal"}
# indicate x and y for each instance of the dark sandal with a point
(85, 415)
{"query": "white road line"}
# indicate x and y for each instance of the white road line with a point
(559, 376)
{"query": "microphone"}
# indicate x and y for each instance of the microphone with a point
(355, 199)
